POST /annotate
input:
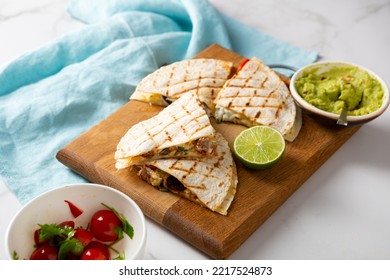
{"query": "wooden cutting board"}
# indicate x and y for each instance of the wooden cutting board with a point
(259, 193)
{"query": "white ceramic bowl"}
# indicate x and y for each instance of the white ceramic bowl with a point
(331, 117)
(50, 208)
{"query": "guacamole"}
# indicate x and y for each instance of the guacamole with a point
(361, 93)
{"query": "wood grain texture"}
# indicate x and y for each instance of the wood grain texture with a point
(259, 193)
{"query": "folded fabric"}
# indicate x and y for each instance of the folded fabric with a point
(50, 96)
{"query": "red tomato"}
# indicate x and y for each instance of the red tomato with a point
(103, 248)
(93, 254)
(45, 252)
(36, 238)
(85, 236)
(103, 225)
(67, 223)
(74, 209)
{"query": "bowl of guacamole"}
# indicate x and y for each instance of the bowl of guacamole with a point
(323, 89)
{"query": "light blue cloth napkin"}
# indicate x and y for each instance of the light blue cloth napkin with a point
(50, 96)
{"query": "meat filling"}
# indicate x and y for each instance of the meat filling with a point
(160, 179)
(166, 182)
(205, 146)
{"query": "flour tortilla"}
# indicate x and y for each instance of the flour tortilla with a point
(257, 96)
(210, 182)
(203, 76)
(175, 131)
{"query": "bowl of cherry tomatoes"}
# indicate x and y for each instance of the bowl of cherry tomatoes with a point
(78, 222)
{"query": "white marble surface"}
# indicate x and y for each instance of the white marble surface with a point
(342, 211)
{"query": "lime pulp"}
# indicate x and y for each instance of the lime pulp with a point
(259, 147)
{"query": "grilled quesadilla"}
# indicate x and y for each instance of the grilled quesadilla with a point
(256, 95)
(210, 182)
(182, 129)
(203, 76)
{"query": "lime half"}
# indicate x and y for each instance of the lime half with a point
(259, 147)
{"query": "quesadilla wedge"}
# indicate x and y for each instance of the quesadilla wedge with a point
(210, 182)
(203, 76)
(256, 95)
(182, 129)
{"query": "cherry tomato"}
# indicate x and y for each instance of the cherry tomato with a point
(85, 236)
(45, 252)
(103, 248)
(93, 254)
(67, 223)
(103, 225)
(36, 238)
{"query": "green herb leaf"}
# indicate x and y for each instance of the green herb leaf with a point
(72, 245)
(55, 233)
(126, 227)
(181, 148)
(121, 256)
(15, 255)
(119, 231)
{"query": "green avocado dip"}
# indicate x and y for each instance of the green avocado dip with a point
(330, 90)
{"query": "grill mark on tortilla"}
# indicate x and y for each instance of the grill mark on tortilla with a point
(222, 73)
(182, 126)
(264, 81)
(213, 93)
(152, 90)
(173, 70)
(198, 84)
(264, 105)
(196, 88)
(192, 170)
(199, 129)
(150, 136)
(201, 187)
(242, 87)
(280, 108)
(174, 120)
(185, 76)
(249, 96)
(193, 167)
(213, 78)
(271, 94)
(168, 136)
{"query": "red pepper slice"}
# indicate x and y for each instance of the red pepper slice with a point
(242, 64)
(74, 209)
